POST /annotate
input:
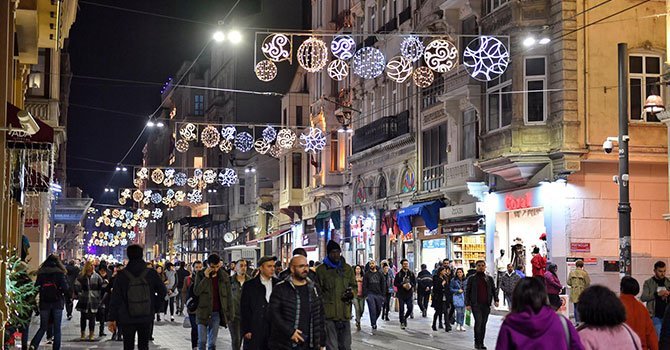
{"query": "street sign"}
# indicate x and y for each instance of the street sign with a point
(580, 247)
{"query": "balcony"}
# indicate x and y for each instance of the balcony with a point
(458, 174)
(380, 131)
(46, 110)
(343, 20)
(405, 15)
(433, 177)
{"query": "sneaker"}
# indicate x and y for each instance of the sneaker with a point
(69, 317)
(402, 326)
(374, 326)
(171, 318)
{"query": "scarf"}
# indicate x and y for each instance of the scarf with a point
(332, 265)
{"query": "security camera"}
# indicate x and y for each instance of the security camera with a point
(608, 146)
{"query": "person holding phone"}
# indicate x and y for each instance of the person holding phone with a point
(212, 287)
(655, 293)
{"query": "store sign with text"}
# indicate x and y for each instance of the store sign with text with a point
(580, 247)
(513, 202)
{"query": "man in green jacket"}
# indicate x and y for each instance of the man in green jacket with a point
(337, 289)
(212, 287)
(655, 293)
(236, 282)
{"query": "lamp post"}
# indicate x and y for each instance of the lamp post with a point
(624, 208)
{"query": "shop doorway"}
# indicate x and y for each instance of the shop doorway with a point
(524, 227)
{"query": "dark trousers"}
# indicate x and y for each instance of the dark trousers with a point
(89, 318)
(375, 304)
(69, 304)
(194, 331)
(142, 331)
(409, 302)
(481, 315)
(387, 305)
(422, 300)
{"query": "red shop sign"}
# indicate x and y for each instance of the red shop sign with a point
(514, 203)
(580, 247)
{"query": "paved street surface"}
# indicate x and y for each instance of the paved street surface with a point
(417, 336)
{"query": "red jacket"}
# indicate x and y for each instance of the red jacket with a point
(539, 265)
(637, 317)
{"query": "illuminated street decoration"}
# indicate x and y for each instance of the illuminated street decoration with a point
(423, 77)
(244, 141)
(313, 55)
(314, 140)
(261, 146)
(343, 47)
(157, 176)
(277, 48)
(269, 134)
(485, 58)
(227, 177)
(368, 63)
(411, 48)
(188, 132)
(228, 132)
(181, 146)
(399, 69)
(286, 138)
(265, 70)
(441, 56)
(180, 179)
(210, 136)
(195, 197)
(226, 146)
(338, 70)
(209, 176)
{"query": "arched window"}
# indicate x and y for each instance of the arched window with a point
(381, 191)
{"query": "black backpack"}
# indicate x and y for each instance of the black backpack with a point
(49, 292)
(138, 295)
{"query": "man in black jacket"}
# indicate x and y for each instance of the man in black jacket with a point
(374, 289)
(425, 282)
(72, 274)
(296, 311)
(287, 273)
(254, 302)
(405, 283)
(182, 273)
(480, 291)
(128, 316)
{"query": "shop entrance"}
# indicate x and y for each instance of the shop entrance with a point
(518, 232)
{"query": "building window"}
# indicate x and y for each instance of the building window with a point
(469, 135)
(535, 86)
(394, 101)
(296, 173)
(492, 5)
(430, 94)
(334, 152)
(373, 106)
(644, 80)
(372, 20)
(298, 115)
(199, 104)
(394, 8)
(242, 191)
(382, 192)
(384, 12)
(499, 103)
(435, 146)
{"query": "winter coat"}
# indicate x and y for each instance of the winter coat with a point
(471, 285)
(284, 311)
(553, 283)
(389, 282)
(638, 319)
(171, 285)
(203, 289)
(236, 295)
(542, 330)
(649, 294)
(182, 273)
(334, 282)
(458, 297)
(617, 337)
(400, 278)
(118, 305)
(508, 281)
(424, 282)
(55, 275)
(374, 283)
(89, 291)
(254, 317)
(539, 264)
(578, 280)
(311, 274)
(72, 274)
(440, 293)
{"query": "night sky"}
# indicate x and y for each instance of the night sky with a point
(115, 44)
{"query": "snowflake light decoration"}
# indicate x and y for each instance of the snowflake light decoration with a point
(441, 55)
(129, 215)
(138, 196)
(169, 193)
(277, 47)
(265, 70)
(169, 172)
(485, 58)
(225, 146)
(423, 77)
(411, 48)
(369, 63)
(227, 177)
(210, 136)
(244, 141)
(399, 69)
(180, 179)
(269, 134)
(228, 132)
(188, 132)
(286, 138)
(261, 146)
(314, 140)
(142, 224)
(343, 47)
(209, 176)
(125, 193)
(192, 182)
(157, 176)
(338, 70)
(146, 200)
(131, 235)
(179, 196)
(313, 55)
(181, 146)
(157, 213)
(143, 173)
(147, 193)
(195, 196)
(197, 173)
(156, 198)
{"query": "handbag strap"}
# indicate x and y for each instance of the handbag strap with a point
(631, 335)
(566, 330)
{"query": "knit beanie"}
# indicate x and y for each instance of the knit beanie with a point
(332, 245)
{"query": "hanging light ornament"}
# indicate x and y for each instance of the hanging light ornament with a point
(338, 70)
(157, 213)
(146, 200)
(180, 179)
(227, 177)
(399, 69)
(137, 182)
(261, 146)
(314, 140)
(188, 132)
(228, 132)
(142, 224)
(169, 173)
(265, 70)
(485, 58)
(138, 196)
(343, 47)
(210, 136)
(157, 176)
(192, 182)
(168, 182)
(156, 198)
(143, 173)
(197, 173)
(166, 201)
(179, 196)
(411, 48)
(125, 193)
(244, 141)
(181, 146)
(277, 47)
(286, 138)
(169, 193)
(209, 176)
(368, 63)
(441, 55)
(269, 134)
(225, 146)
(313, 55)
(275, 151)
(195, 197)
(423, 77)
(122, 201)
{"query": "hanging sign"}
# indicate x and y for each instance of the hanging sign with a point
(515, 203)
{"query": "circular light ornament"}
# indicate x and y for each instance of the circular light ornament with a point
(209, 176)
(181, 146)
(343, 47)
(313, 55)
(192, 182)
(210, 136)
(277, 48)
(195, 197)
(286, 138)
(156, 198)
(423, 77)
(269, 134)
(122, 201)
(180, 179)
(228, 132)
(261, 146)
(157, 213)
(179, 196)
(137, 182)
(265, 70)
(197, 173)
(411, 48)
(169, 193)
(275, 151)
(157, 176)
(227, 177)
(441, 55)
(485, 58)
(369, 63)
(188, 132)
(399, 69)
(314, 140)
(116, 213)
(125, 193)
(168, 182)
(244, 141)
(225, 146)
(338, 70)
(166, 200)
(143, 173)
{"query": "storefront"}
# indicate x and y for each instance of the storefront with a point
(464, 227)
(433, 246)
(414, 221)
(327, 225)
(363, 236)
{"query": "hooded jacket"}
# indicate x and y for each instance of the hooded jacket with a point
(52, 274)
(334, 282)
(118, 305)
(89, 290)
(542, 330)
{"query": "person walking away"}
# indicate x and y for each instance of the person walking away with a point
(191, 303)
(359, 298)
(388, 296)
(539, 263)
(134, 300)
(212, 286)
(578, 280)
(107, 297)
(374, 290)
(480, 291)
(337, 285)
(102, 310)
(161, 303)
(655, 292)
(637, 316)
(508, 281)
(182, 273)
(89, 286)
(72, 274)
(237, 281)
(458, 291)
(296, 311)
(604, 321)
(532, 324)
(53, 286)
(171, 275)
(553, 286)
(440, 282)
(405, 283)
(254, 301)
(424, 285)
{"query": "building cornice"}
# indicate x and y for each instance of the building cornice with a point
(396, 143)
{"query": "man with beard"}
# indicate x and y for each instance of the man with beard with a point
(296, 311)
(237, 282)
(374, 288)
(480, 291)
(253, 305)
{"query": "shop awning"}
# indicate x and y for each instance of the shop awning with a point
(70, 210)
(429, 212)
(44, 135)
(268, 237)
(292, 212)
(320, 220)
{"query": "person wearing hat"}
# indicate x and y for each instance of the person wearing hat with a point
(337, 283)
(254, 323)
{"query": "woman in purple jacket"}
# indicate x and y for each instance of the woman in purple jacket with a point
(532, 324)
(553, 286)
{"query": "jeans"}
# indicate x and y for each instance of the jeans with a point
(577, 319)
(143, 330)
(180, 301)
(338, 335)
(57, 314)
(409, 302)
(207, 333)
(387, 305)
(508, 300)
(69, 303)
(90, 318)
(422, 300)
(170, 303)
(460, 315)
(481, 315)
(375, 303)
(194, 331)
(359, 307)
(235, 334)
(658, 322)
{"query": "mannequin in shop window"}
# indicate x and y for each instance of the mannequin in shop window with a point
(518, 253)
(544, 249)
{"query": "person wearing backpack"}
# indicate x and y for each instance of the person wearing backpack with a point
(192, 303)
(52, 286)
(134, 300)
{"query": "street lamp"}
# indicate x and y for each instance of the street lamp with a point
(219, 36)
(235, 36)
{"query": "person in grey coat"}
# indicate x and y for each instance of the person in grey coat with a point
(89, 286)
(171, 286)
(508, 281)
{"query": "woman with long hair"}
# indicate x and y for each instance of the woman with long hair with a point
(171, 275)
(52, 286)
(439, 296)
(160, 307)
(603, 318)
(553, 285)
(458, 291)
(359, 299)
(89, 286)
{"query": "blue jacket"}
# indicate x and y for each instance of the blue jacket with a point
(459, 298)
